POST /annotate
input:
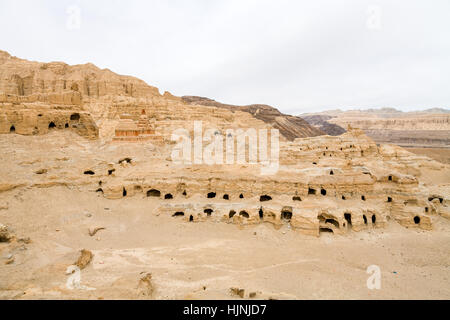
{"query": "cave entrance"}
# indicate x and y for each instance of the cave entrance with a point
(348, 218)
(178, 214)
(323, 192)
(12, 129)
(296, 198)
(51, 125)
(124, 192)
(326, 230)
(244, 214)
(231, 214)
(365, 219)
(374, 219)
(434, 197)
(333, 222)
(389, 199)
(191, 218)
(261, 214)
(327, 219)
(168, 196)
(89, 172)
(416, 219)
(75, 117)
(265, 198)
(241, 196)
(311, 191)
(286, 215)
(127, 160)
(226, 197)
(153, 193)
(363, 198)
(208, 212)
(211, 195)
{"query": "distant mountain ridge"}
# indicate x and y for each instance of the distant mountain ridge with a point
(427, 128)
(290, 127)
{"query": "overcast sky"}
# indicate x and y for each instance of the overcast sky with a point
(299, 56)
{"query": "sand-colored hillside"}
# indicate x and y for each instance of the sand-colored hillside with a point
(96, 202)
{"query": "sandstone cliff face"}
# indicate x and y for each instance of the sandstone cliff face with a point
(321, 122)
(320, 180)
(340, 184)
(290, 127)
(24, 78)
(102, 96)
(429, 128)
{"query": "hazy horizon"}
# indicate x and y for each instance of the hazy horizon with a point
(296, 56)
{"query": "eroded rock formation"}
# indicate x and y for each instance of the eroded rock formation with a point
(324, 183)
(290, 127)
(428, 128)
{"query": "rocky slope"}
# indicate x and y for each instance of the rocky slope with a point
(290, 127)
(36, 97)
(321, 123)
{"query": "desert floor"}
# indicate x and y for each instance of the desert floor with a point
(204, 260)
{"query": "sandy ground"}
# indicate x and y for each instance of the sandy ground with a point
(204, 260)
(438, 154)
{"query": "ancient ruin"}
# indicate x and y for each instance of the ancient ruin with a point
(104, 142)
(128, 130)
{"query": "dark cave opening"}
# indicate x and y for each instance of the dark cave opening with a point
(348, 218)
(265, 198)
(178, 214)
(244, 214)
(153, 193)
(286, 215)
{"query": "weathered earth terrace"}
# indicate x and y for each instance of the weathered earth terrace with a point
(58, 125)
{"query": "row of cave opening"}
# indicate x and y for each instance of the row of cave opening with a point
(157, 194)
(51, 125)
(212, 195)
(286, 216)
(150, 193)
(264, 198)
